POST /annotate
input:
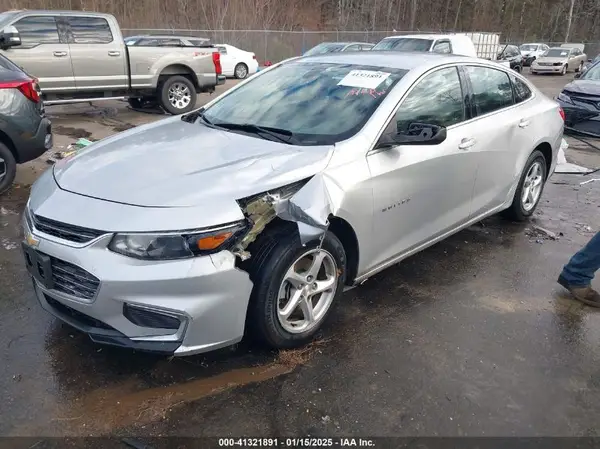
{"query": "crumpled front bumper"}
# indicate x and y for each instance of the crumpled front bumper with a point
(207, 295)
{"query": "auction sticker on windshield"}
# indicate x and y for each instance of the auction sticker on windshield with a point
(367, 79)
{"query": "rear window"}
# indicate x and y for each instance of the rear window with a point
(556, 53)
(320, 103)
(404, 44)
(6, 65)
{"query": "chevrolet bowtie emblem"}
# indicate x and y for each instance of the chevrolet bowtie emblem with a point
(31, 240)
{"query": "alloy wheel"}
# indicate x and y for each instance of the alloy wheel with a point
(307, 291)
(241, 72)
(179, 95)
(532, 186)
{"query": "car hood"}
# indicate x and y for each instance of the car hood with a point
(172, 163)
(583, 86)
(547, 59)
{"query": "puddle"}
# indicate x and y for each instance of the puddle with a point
(77, 133)
(106, 409)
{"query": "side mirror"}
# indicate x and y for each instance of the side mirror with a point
(9, 37)
(417, 134)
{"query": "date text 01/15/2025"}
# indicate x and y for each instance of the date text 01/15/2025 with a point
(296, 442)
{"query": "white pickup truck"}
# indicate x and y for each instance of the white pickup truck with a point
(79, 56)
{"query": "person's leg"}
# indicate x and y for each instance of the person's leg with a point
(577, 275)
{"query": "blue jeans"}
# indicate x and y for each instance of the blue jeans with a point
(580, 270)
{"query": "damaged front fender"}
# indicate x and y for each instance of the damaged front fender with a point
(308, 203)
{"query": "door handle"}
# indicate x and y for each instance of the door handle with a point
(60, 54)
(465, 144)
(524, 123)
(114, 53)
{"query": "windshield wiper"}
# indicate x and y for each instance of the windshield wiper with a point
(282, 135)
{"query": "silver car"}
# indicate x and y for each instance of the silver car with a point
(256, 211)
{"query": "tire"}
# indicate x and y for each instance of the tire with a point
(580, 68)
(240, 71)
(518, 69)
(177, 95)
(517, 210)
(8, 168)
(274, 253)
(564, 70)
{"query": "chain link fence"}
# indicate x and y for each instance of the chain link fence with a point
(274, 45)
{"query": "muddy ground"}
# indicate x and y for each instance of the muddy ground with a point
(471, 337)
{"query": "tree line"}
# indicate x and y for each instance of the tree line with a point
(517, 20)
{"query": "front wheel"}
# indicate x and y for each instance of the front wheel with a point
(177, 95)
(564, 70)
(8, 168)
(295, 286)
(580, 68)
(530, 188)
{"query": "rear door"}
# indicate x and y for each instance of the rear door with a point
(500, 132)
(98, 57)
(43, 53)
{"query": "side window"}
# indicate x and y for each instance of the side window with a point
(491, 89)
(170, 43)
(522, 91)
(222, 50)
(353, 48)
(90, 30)
(442, 47)
(437, 99)
(36, 30)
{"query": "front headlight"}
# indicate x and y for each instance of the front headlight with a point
(565, 98)
(180, 245)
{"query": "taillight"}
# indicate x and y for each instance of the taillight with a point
(217, 61)
(27, 88)
(562, 113)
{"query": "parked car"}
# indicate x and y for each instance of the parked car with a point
(559, 60)
(580, 99)
(333, 47)
(457, 44)
(237, 63)
(512, 55)
(25, 131)
(315, 174)
(167, 40)
(531, 52)
(590, 63)
(81, 56)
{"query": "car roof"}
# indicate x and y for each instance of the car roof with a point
(532, 43)
(57, 12)
(561, 48)
(425, 36)
(394, 59)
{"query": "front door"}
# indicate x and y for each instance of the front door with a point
(43, 54)
(423, 191)
(99, 59)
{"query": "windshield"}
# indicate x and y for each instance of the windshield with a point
(556, 53)
(318, 103)
(404, 44)
(528, 47)
(324, 48)
(592, 74)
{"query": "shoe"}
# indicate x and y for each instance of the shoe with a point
(585, 294)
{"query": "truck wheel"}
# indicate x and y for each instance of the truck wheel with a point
(8, 168)
(177, 95)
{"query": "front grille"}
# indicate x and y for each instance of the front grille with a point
(64, 231)
(80, 318)
(73, 280)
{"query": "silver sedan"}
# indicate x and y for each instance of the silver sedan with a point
(256, 211)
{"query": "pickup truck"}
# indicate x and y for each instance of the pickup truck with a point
(79, 56)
